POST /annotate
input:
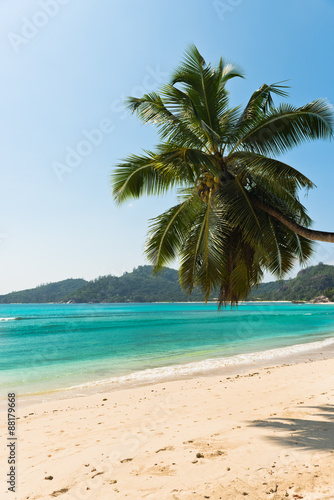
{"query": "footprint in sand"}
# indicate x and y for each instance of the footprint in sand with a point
(59, 492)
(167, 448)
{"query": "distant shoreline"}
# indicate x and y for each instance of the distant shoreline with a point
(166, 302)
(141, 286)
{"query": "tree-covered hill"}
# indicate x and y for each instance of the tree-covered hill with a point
(52, 292)
(308, 284)
(141, 286)
(137, 286)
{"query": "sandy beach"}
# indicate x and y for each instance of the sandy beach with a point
(264, 434)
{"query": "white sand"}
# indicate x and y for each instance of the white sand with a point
(265, 435)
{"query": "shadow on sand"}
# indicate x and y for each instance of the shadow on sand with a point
(308, 434)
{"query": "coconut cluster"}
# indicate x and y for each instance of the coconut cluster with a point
(208, 184)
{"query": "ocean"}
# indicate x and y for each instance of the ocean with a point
(49, 347)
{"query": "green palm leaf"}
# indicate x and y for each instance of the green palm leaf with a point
(151, 109)
(202, 252)
(137, 176)
(261, 101)
(167, 231)
(285, 127)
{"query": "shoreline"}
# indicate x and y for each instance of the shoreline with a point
(162, 439)
(50, 381)
(208, 367)
(163, 302)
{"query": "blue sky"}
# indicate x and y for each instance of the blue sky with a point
(66, 66)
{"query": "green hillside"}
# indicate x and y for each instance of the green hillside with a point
(141, 286)
(138, 286)
(52, 292)
(308, 284)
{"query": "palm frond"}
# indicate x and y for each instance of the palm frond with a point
(229, 71)
(202, 252)
(238, 209)
(261, 101)
(241, 271)
(272, 171)
(138, 175)
(205, 88)
(151, 109)
(185, 163)
(168, 230)
(272, 180)
(285, 127)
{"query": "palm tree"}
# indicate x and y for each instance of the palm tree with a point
(238, 212)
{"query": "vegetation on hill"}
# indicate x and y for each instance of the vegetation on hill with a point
(138, 286)
(52, 292)
(141, 285)
(308, 284)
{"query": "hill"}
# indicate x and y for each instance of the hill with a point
(52, 292)
(308, 284)
(138, 286)
(141, 286)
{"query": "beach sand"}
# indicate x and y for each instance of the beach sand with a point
(264, 434)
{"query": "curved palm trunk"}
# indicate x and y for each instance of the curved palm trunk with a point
(302, 231)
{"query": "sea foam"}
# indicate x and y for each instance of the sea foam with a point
(208, 365)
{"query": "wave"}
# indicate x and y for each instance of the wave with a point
(208, 365)
(10, 319)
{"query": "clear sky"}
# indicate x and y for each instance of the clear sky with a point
(66, 66)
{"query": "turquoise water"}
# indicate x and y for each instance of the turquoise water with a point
(50, 346)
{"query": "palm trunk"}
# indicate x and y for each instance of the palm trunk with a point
(302, 231)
